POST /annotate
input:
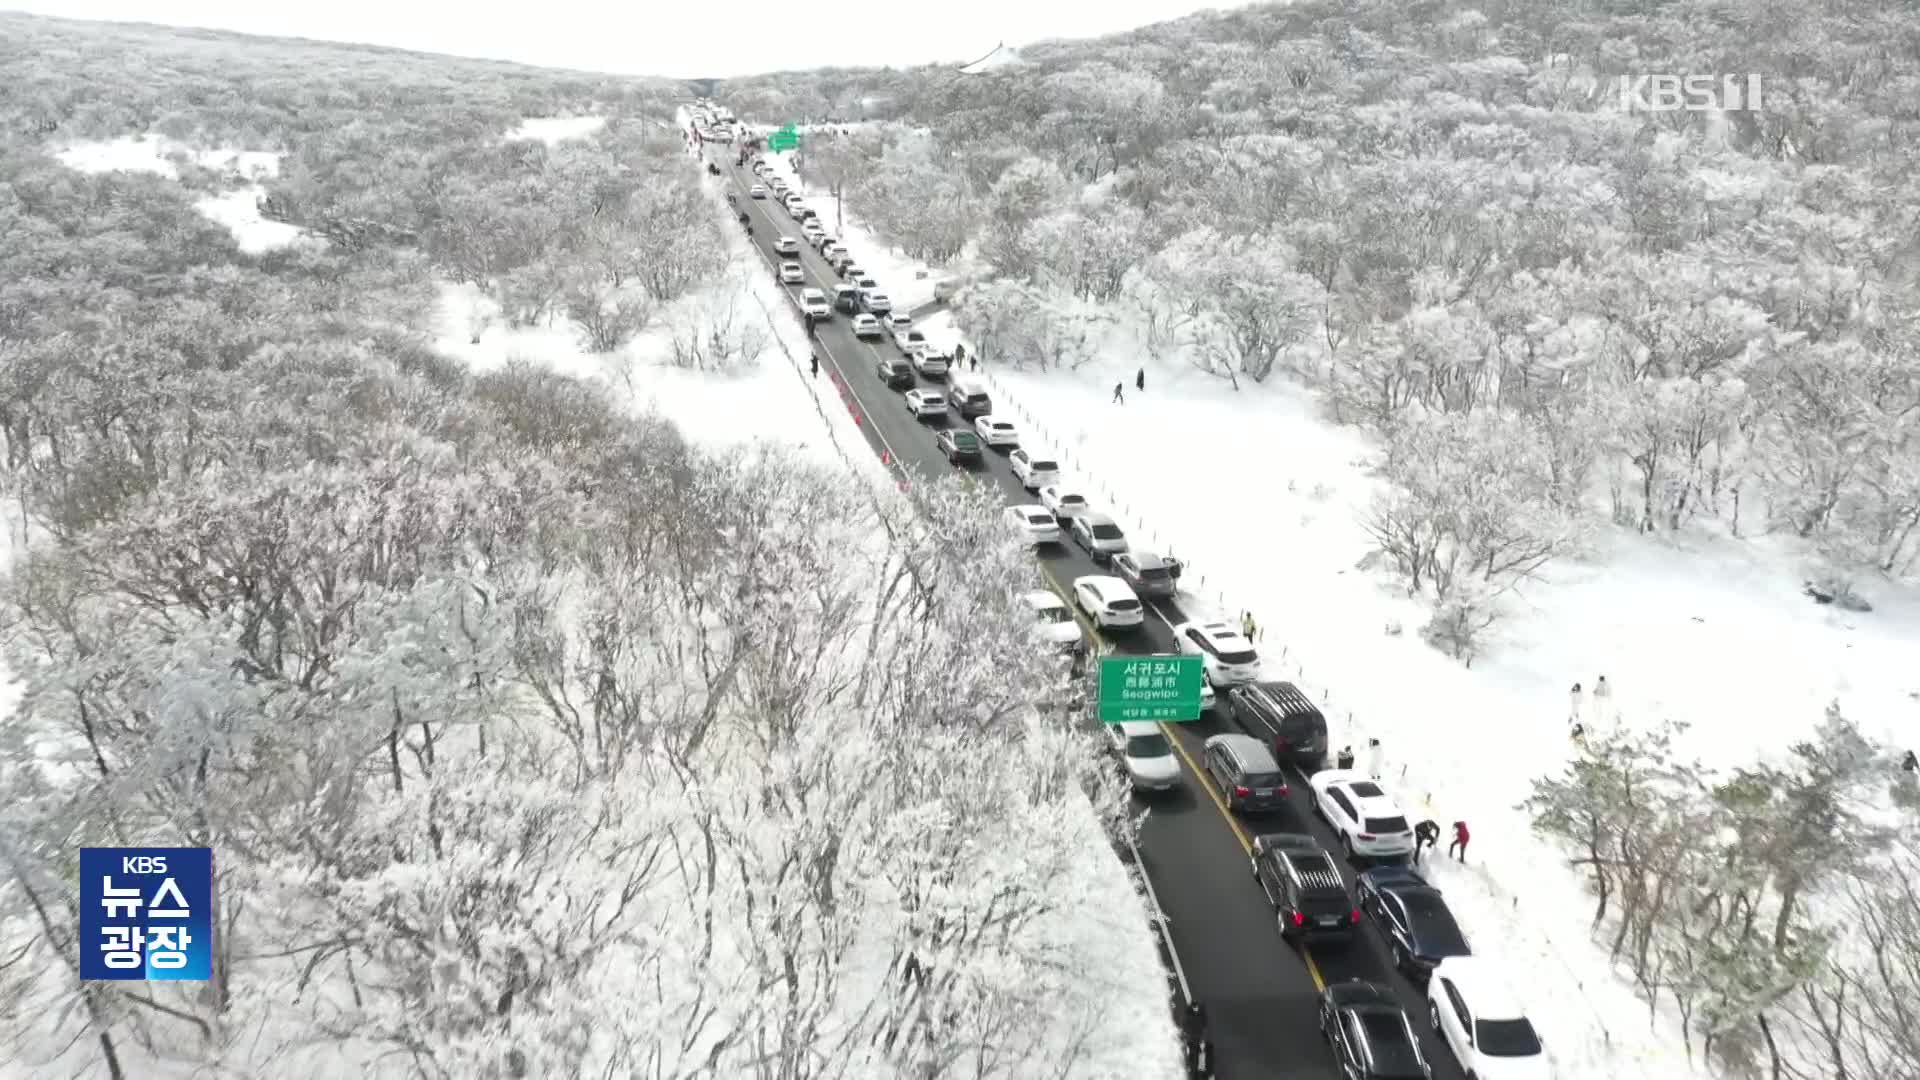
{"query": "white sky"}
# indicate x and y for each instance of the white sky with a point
(655, 37)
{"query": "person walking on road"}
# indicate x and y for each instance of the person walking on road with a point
(1120, 393)
(1193, 1032)
(1426, 837)
(1140, 380)
(973, 362)
(960, 354)
(1458, 849)
(816, 365)
(1247, 625)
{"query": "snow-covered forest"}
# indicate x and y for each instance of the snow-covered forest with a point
(1553, 318)
(533, 740)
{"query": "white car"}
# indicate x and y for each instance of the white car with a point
(814, 302)
(830, 249)
(1476, 1013)
(925, 403)
(996, 432)
(1034, 470)
(1097, 535)
(813, 231)
(791, 274)
(1056, 623)
(787, 245)
(1365, 818)
(875, 300)
(757, 191)
(1034, 523)
(866, 326)
(1063, 501)
(1227, 657)
(1108, 601)
(930, 363)
(1148, 756)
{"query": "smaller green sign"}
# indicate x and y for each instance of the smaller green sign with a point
(784, 139)
(1150, 688)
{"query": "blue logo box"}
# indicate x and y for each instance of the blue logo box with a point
(146, 913)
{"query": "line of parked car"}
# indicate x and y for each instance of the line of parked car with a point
(1470, 1007)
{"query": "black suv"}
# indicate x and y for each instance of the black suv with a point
(895, 372)
(1368, 1033)
(1282, 716)
(1303, 884)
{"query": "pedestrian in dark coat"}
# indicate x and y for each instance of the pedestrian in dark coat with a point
(1140, 380)
(816, 365)
(1193, 1036)
(1426, 837)
(1120, 393)
(1910, 763)
(1458, 849)
(1345, 759)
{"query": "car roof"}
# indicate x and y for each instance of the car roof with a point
(1356, 992)
(1041, 599)
(1105, 583)
(1095, 517)
(1484, 985)
(1138, 727)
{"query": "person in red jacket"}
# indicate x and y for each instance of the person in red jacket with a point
(1458, 849)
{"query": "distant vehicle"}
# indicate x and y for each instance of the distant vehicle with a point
(807, 216)
(1229, 657)
(1035, 523)
(960, 446)
(1147, 572)
(1056, 624)
(787, 245)
(812, 231)
(1034, 470)
(1285, 718)
(932, 364)
(1369, 1034)
(829, 249)
(757, 191)
(997, 432)
(843, 262)
(969, 395)
(866, 326)
(1063, 501)
(1303, 885)
(1247, 776)
(791, 274)
(1476, 1013)
(1108, 602)
(759, 166)
(779, 186)
(713, 168)
(733, 199)
(876, 301)
(1146, 754)
(814, 302)
(945, 289)
(895, 372)
(925, 403)
(1413, 917)
(1097, 535)
(1364, 817)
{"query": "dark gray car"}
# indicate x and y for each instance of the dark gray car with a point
(1147, 572)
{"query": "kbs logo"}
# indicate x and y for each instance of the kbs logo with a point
(146, 913)
(1690, 93)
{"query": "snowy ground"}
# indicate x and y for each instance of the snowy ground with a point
(554, 129)
(1681, 628)
(237, 210)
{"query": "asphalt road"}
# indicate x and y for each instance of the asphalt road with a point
(1261, 995)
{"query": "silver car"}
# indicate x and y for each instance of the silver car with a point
(1098, 536)
(1143, 748)
(1147, 572)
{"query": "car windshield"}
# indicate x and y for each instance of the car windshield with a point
(1246, 657)
(1386, 824)
(1394, 1051)
(1506, 1038)
(1366, 790)
(1153, 573)
(1106, 532)
(1142, 746)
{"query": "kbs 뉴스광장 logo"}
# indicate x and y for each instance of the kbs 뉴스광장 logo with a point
(146, 913)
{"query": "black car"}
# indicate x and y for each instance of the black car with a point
(712, 168)
(1413, 917)
(1369, 1035)
(1281, 715)
(960, 445)
(1303, 884)
(895, 372)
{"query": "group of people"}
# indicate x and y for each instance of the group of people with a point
(1426, 835)
(1139, 383)
(1601, 709)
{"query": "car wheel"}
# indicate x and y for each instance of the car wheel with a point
(1346, 846)
(1401, 961)
(1255, 867)
(1433, 1017)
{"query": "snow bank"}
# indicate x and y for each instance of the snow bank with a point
(554, 129)
(154, 154)
(239, 212)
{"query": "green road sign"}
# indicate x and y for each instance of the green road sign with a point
(1150, 688)
(784, 139)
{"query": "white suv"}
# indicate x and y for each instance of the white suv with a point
(1367, 820)
(1477, 1015)
(1034, 471)
(1228, 657)
(1108, 601)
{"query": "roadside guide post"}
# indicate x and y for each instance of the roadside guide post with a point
(1150, 688)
